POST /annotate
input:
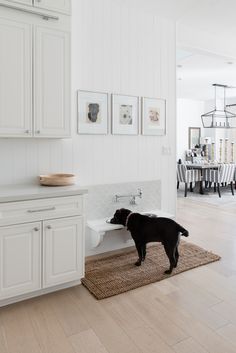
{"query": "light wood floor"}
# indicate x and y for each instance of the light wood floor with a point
(194, 312)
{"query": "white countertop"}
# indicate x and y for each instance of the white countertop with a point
(23, 192)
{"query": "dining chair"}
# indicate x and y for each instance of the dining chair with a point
(224, 174)
(235, 176)
(187, 176)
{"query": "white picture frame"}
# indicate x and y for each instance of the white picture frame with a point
(92, 112)
(125, 114)
(153, 116)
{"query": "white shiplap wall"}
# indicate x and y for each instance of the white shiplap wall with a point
(114, 49)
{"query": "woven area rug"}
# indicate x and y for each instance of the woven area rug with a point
(115, 274)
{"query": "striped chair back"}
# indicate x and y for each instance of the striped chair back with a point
(226, 172)
(182, 173)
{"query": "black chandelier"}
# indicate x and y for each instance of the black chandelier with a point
(220, 117)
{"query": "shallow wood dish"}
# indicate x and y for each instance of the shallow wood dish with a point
(57, 179)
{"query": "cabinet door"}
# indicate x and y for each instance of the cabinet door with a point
(15, 78)
(20, 259)
(26, 2)
(52, 83)
(63, 251)
(58, 5)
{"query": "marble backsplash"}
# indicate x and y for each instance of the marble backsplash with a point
(101, 202)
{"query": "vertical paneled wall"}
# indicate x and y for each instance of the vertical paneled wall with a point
(118, 49)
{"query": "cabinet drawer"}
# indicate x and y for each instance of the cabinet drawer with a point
(37, 210)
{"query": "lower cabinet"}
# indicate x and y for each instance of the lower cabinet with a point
(20, 259)
(63, 250)
(38, 255)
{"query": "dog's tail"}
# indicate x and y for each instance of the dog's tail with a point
(182, 230)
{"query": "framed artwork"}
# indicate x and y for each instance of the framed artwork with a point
(92, 112)
(153, 116)
(125, 115)
(194, 136)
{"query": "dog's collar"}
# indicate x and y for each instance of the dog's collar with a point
(127, 219)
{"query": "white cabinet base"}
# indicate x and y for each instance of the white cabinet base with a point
(38, 293)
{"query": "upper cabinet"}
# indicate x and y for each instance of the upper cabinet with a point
(34, 74)
(63, 6)
(52, 82)
(26, 2)
(54, 5)
(15, 78)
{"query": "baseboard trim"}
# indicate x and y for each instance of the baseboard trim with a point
(38, 293)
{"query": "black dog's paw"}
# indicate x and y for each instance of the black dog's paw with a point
(168, 272)
(138, 263)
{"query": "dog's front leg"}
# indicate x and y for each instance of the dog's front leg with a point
(143, 252)
(140, 252)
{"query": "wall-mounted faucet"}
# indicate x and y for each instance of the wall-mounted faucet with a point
(132, 197)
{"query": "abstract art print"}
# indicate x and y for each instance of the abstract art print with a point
(125, 114)
(153, 116)
(92, 112)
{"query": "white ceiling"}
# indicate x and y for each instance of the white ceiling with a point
(199, 72)
(215, 16)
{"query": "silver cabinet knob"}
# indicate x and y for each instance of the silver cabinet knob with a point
(37, 132)
(49, 227)
(36, 229)
(27, 131)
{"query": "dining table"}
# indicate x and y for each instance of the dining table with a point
(202, 167)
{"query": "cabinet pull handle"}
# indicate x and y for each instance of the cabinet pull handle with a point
(49, 227)
(40, 14)
(36, 229)
(42, 210)
(27, 131)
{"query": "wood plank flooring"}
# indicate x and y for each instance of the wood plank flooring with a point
(194, 312)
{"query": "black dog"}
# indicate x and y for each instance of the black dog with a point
(145, 229)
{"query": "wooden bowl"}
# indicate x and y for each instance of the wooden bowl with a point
(57, 179)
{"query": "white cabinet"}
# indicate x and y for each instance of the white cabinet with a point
(52, 83)
(20, 259)
(54, 5)
(63, 251)
(25, 2)
(41, 246)
(15, 78)
(63, 6)
(34, 74)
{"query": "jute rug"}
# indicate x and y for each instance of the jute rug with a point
(115, 274)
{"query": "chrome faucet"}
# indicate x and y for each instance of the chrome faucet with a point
(132, 197)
